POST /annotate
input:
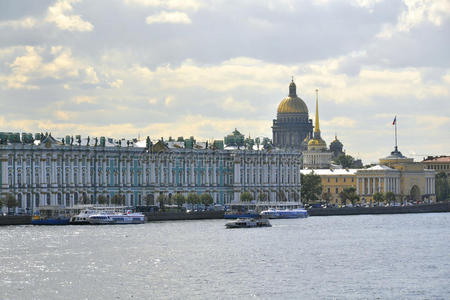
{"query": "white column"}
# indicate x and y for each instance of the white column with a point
(357, 186)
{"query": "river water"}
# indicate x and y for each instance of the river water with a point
(340, 257)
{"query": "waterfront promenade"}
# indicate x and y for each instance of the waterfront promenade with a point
(174, 216)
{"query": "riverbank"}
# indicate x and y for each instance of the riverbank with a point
(15, 220)
(423, 208)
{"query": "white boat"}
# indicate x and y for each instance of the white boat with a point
(273, 213)
(248, 223)
(82, 217)
(106, 218)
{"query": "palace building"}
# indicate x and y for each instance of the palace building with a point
(47, 171)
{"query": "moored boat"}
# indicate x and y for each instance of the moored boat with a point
(248, 223)
(106, 218)
(82, 217)
(52, 215)
(273, 213)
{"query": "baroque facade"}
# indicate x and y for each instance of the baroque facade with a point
(49, 172)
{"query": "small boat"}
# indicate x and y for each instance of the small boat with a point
(273, 213)
(248, 223)
(106, 218)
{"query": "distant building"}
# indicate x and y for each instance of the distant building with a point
(438, 163)
(292, 124)
(408, 180)
(317, 156)
(334, 181)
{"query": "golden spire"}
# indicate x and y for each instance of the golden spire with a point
(316, 121)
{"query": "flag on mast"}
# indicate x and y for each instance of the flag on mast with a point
(395, 120)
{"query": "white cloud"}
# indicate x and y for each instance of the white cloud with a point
(230, 104)
(84, 99)
(117, 83)
(31, 66)
(25, 23)
(58, 14)
(152, 101)
(169, 100)
(169, 4)
(175, 17)
(338, 122)
(417, 12)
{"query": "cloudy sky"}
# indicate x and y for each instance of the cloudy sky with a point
(124, 68)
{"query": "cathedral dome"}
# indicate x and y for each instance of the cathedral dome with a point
(292, 103)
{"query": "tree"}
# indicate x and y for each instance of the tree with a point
(162, 199)
(352, 195)
(442, 187)
(179, 199)
(149, 199)
(101, 199)
(262, 197)
(390, 197)
(378, 197)
(10, 201)
(327, 197)
(246, 197)
(311, 187)
(206, 199)
(192, 198)
(118, 199)
(346, 161)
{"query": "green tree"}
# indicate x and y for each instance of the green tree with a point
(193, 199)
(390, 197)
(346, 161)
(262, 197)
(246, 197)
(162, 199)
(101, 199)
(10, 201)
(118, 199)
(343, 195)
(442, 187)
(352, 195)
(206, 199)
(179, 199)
(326, 197)
(311, 187)
(378, 197)
(149, 199)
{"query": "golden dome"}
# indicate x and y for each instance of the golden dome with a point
(317, 142)
(292, 105)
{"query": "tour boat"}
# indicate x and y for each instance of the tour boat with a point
(106, 218)
(82, 217)
(273, 213)
(248, 223)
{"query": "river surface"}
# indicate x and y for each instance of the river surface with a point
(336, 257)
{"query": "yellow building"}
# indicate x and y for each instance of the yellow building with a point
(408, 180)
(334, 181)
(438, 163)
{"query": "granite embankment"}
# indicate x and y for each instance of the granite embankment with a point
(424, 208)
(172, 216)
(15, 220)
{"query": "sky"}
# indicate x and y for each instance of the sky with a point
(129, 68)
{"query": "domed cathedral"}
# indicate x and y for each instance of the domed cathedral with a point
(317, 155)
(292, 125)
